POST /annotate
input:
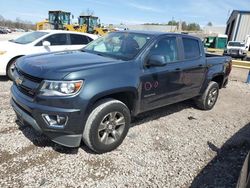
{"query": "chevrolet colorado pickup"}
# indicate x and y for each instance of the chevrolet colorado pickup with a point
(92, 94)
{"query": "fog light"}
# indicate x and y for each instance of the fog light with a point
(57, 121)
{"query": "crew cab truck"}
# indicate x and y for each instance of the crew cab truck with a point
(92, 94)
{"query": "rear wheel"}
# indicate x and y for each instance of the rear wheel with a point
(208, 99)
(106, 126)
(10, 68)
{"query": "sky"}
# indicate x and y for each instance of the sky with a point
(128, 11)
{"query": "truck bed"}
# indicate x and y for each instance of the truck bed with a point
(215, 59)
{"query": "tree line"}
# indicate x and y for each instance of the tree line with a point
(183, 25)
(18, 23)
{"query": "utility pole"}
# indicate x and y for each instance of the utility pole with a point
(172, 24)
(180, 26)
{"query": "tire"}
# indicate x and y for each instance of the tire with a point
(10, 68)
(208, 99)
(101, 135)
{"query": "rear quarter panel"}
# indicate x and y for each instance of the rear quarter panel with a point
(217, 66)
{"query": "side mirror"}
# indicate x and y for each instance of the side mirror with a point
(46, 43)
(246, 47)
(156, 60)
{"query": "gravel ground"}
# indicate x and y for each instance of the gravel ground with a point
(175, 146)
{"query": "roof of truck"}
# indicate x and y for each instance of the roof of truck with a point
(144, 32)
(156, 33)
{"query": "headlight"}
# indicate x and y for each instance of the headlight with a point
(60, 88)
(2, 52)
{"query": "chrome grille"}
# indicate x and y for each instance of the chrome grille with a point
(26, 83)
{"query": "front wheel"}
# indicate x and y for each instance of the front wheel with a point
(106, 126)
(10, 68)
(208, 99)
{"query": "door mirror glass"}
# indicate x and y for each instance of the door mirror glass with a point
(156, 60)
(46, 43)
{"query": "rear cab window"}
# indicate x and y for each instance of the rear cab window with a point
(191, 48)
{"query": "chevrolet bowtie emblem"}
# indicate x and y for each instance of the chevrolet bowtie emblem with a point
(19, 80)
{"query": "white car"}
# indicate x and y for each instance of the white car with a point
(39, 42)
(236, 49)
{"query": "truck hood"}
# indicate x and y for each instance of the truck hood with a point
(59, 64)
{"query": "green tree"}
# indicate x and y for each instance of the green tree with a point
(193, 27)
(173, 22)
(184, 26)
(209, 24)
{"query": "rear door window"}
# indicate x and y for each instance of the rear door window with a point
(79, 39)
(191, 48)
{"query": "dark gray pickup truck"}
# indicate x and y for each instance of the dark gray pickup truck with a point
(92, 94)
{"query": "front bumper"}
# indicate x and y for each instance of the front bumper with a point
(235, 54)
(238, 55)
(23, 116)
(31, 112)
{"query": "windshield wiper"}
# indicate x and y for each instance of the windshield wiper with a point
(101, 54)
(92, 52)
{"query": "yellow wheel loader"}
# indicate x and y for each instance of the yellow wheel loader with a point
(61, 20)
(57, 20)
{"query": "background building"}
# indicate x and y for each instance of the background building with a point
(238, 25)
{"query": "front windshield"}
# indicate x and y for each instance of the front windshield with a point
(119, 45)
(30, 37)
(237, 44)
